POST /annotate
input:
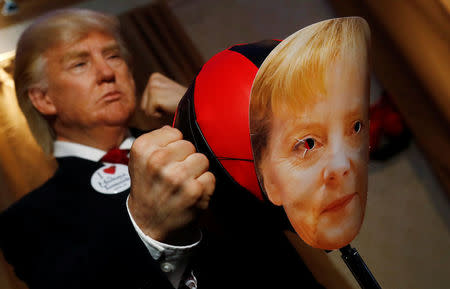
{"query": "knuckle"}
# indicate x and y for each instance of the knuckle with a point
(149, 109)
(140, 147)
(188, 146)
(143, 103)
(159, 156)
(174, 176)
(145, 142)
(211, 178)
(194, 190)
(157, 160)
(175, 133)
(155, 80)
(202, 159)
(137, 145)
(209, 182)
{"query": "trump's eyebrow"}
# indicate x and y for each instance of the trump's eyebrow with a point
(82, 53)
(74, 55)
(111, 48)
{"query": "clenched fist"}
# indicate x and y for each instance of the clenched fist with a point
(161, 96)
(170, 184)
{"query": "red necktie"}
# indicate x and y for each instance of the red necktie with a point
(116, 156)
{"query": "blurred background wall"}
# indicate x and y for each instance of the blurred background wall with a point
(405, 239)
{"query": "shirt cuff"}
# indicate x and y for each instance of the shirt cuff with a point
(157, 249)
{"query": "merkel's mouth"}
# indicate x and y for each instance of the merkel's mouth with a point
(339, 203)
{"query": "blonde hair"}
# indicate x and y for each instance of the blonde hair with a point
(63, 26)
(294, 73)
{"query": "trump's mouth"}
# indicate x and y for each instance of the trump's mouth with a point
(339, 203)
(111, 96)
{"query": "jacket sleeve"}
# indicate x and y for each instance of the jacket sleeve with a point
(117, 256)
(76, 243)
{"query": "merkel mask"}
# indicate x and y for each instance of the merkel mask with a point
(288, 121)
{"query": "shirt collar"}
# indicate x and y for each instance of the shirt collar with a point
(71, 149)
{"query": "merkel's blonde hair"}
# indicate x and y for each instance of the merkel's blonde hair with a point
(294, 72)
(63, 26)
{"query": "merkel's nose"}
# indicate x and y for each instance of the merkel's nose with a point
(337, 169)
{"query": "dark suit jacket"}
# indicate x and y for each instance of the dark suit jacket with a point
(67, 235)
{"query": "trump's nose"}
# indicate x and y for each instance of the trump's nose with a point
(105, 73)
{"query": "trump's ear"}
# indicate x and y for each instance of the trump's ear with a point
(41, 101)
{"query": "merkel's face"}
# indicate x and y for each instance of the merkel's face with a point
(89, 83)
(315, 164)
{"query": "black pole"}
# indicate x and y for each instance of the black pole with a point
(358, 268)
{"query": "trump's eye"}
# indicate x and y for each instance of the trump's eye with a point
(357, 126)
(78, 66)
(306, 144)
(114, 56)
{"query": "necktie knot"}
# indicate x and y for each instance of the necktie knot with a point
(116, 156)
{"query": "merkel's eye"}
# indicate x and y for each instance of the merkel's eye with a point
(305, 145)
(309, 143)
(357, 126)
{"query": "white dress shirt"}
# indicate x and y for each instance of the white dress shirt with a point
(173, 259)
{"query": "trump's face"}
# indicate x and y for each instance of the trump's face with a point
(89, 84)
(315, 162)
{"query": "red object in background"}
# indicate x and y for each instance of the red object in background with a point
(388, 132)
